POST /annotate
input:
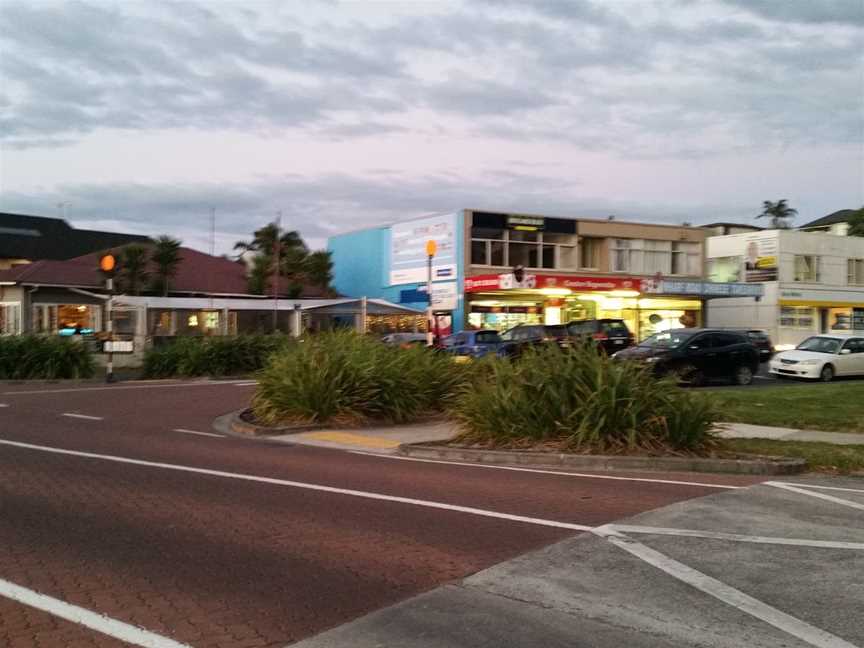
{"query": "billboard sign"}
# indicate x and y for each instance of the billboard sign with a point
(408, 256)
(760, 258)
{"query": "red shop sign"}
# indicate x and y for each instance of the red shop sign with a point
(481, 283)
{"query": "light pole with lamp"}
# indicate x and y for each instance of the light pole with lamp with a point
(431, 249)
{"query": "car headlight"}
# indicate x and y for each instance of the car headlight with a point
(653, 359)
(809, 362)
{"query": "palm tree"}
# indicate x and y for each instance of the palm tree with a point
(166, 258)
(260, 275)
(264, 240)
(779, 212)
(133, 268)
(319, 270)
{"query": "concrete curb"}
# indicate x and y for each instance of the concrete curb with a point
(245, 428)
(766, 466)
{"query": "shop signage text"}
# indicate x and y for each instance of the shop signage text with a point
(408, 249)
(481, 283)
(526, 223)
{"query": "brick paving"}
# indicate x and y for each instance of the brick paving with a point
(213, 561)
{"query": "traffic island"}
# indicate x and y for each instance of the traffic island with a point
(753, 465)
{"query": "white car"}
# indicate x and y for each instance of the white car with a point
(822, 357)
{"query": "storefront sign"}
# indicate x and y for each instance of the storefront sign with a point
(701, 288)
(481, 283)
(408, 257)
(760, 258)
(118, 346)
(823, 297)
(526, 223)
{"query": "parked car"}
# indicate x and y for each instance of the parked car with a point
(474, 344)
(761, 340)
(822, 357)
(611, 335)
(523, 336)
(697, 355)
(405, 339)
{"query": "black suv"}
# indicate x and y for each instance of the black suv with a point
(611, 335)
(696, 355)
(761, 340)
(517, 339)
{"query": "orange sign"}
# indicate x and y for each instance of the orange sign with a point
(431, 248)
(107, 263)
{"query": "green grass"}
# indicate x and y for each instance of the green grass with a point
(838, 407)
(822, 457)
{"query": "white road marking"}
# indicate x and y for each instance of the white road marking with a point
(306, 486)
(98, 622)
(4, 404)
(734, 537)
(822, 496)
(246, 384)
(729, 595)
(124, 387)
(546, 472)
(832, 488)
(86, 417)
(210, 434)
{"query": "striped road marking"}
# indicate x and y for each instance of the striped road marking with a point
(352, 439)
(822, 496)
(86, 417)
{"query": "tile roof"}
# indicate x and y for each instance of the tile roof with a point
(841, 216)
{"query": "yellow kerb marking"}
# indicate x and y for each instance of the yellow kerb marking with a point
(352, 439)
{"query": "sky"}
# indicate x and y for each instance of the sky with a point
(144, 117)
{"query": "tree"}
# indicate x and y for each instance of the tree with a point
(133, 268)
(319, 270)
(780, 213)
(166, 258)
(264, 240)
(856, 223)
(260, 274)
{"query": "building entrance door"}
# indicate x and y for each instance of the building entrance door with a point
(823, 320)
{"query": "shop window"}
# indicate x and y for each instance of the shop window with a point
(687, 260)
(10, 318)
(497, 250)
(159, 322)
(211, 320)
(480, 252)
(797, 317)
(589, 253)
(548, 256)
(806, 268)
(620, 255)
(125, 321)
(855, 275)
(656, 257)
(840, 319)
(521, 254)
(487, 233)
(721, 269)
(566, 257)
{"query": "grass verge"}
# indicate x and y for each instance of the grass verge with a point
(821, 457)
(838, 407)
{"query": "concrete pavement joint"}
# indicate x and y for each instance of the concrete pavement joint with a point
(822, 496)
(547, 472)
(80, 616)
(725, 593)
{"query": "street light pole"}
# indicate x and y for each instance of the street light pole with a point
(276, 253)
(431, 248)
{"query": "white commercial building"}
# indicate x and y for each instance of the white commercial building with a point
(814, 283)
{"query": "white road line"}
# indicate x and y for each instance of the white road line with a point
(822, 496)
(82, 416)
(734, 537)
(547, 472)
(831, 488)
(729, 595)
(124, 387)
(4, 404)
(306, 486)
(245, 384)
(98, 622)
(210, 434)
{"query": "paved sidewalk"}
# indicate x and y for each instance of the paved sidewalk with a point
(747, 431)
(381, 440)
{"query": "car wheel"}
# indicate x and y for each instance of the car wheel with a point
(743, 375)
(691, 375)
(827, 373)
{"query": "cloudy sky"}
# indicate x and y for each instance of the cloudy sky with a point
(141, 117)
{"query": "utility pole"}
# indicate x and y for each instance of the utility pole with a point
(212, 231)
(277, 248)
(431, 249)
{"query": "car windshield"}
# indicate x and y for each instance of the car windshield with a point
(820, 345)
(666, 339)
(487, 337)
(614, 328)
(556, 331)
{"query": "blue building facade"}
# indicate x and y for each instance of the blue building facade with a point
(389, 262)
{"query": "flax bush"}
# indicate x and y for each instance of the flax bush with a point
(42, 357)
(346, 378)
(583, 401)
(212, 356)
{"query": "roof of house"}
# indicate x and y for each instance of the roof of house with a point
(197, 272)
(841, 216)
(36, 238)
(742, 225)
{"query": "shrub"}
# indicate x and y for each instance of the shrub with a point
(346, 378)
(48, 358)
(583, 401)
(212, 356)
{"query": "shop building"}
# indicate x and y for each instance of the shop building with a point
(651, 276)
(813, 283)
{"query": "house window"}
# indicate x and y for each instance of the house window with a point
(656, 257)
(479, 252)
(620, 255)
(508, 248)
(806, 268)
(855, 275)
(589, 253)
(10, 318)
(686, 259)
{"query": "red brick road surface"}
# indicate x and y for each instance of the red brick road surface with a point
(215, 561)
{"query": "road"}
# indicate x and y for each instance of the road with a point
(124, 520)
